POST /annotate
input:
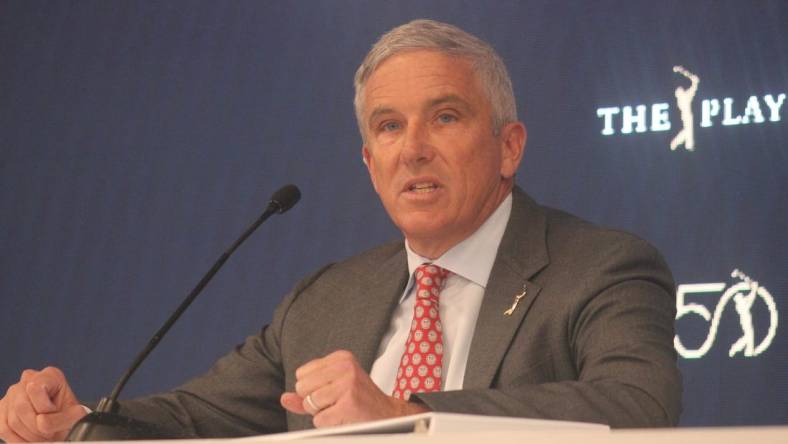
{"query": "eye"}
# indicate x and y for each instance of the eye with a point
(390, 126)
(446, 118)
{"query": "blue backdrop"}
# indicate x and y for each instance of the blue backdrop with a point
(138, 139)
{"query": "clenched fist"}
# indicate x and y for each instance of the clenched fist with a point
(40, 407)
(336, 390)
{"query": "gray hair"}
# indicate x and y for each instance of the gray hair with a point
(447, 39)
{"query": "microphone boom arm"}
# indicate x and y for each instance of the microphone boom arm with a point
(104, 423)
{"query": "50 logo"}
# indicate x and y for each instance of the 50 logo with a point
(743, 294)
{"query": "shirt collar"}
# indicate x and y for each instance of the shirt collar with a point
(473, 257)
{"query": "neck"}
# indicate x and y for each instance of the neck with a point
(433, 248)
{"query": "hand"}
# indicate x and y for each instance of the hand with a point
(40, 407)
(342, 393)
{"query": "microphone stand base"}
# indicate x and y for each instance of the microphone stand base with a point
(101, 426)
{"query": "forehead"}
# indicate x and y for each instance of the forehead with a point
(416, 76)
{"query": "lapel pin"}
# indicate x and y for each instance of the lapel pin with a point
(517, 298)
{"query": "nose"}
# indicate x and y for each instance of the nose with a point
(416, 147)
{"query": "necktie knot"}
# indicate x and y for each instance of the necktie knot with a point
(430, 280)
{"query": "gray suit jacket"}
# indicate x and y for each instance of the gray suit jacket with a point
(591, 341)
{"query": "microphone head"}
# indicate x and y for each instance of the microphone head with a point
(284, 198)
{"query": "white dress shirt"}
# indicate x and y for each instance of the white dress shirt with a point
(470, 262)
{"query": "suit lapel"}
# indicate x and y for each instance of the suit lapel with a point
(368, 310)
(522, 253)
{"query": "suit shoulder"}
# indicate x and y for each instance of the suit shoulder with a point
(569, 231)
(341, 275)
(358, 266)
(588, 246)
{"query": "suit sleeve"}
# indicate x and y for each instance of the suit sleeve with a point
(618, 320)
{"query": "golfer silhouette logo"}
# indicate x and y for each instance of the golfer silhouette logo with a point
(684, 97)
(743, 301)
(743, 294)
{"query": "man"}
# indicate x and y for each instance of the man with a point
(492, 305)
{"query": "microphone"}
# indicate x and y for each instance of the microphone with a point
(284, 198)
(105, 424)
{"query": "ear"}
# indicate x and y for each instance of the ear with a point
(369, 162)
(513, 136)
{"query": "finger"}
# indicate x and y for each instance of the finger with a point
(332, 416)
(60, 422)
(293, 403)
(21, 416)
(39, 398)
(312, 405)
(56, 386)
(331, 369)
(324, 397)
(18, 427)
(318, 365)
(27, 375)
(312, 367)
(6, 434)
(317, 381)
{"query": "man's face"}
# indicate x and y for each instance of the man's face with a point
(430, 149)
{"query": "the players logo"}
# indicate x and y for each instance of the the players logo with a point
(654, 118)
(744, 293)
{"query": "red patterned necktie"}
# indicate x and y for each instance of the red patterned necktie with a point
(421, 366)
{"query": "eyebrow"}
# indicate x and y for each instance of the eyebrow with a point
(448, 98)
(377, 112)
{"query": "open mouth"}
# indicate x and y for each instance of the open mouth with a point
(423, 187)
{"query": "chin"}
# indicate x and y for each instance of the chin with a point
(422, 227)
